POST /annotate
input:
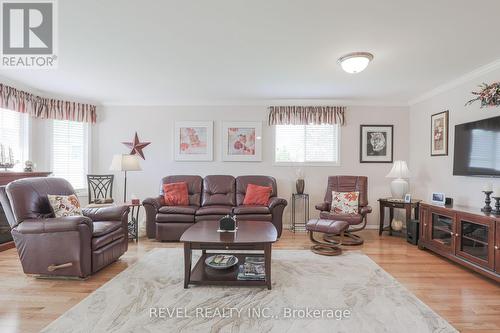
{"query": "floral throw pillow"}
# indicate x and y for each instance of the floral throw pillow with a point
(345, 202)
(65, 205)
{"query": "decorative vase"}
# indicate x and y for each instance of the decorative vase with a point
(299, 186)
(397, 225)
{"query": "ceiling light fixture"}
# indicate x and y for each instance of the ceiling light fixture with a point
(355, 62)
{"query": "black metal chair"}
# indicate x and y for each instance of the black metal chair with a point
(100, 189)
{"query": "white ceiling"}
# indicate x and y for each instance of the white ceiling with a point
(159, 52)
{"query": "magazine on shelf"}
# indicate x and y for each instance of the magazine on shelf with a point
(252, 269)
(255, 259)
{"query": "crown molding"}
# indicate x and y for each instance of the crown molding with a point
(457, 82)
(266, 103)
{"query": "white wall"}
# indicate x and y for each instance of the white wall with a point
(119, 123)
(435, 174)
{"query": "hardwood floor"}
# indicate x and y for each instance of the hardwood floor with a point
(470, 302)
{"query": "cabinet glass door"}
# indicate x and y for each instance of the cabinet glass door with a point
(497, 248)
(442, 230)
(474, 239)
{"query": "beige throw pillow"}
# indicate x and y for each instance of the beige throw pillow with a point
(345, 202)
(65, 205)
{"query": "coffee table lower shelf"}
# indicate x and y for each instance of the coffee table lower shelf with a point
(204, 275)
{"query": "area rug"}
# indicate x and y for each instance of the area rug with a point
(311, 293)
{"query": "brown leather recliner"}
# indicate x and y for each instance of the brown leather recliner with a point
(75, 246)
(357, 221)
(210, 199)
(218, 197)
(168, 223)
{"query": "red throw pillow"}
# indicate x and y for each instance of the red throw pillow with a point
(176, 194)
(257, 195)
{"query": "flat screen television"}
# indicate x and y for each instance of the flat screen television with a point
(477, 148)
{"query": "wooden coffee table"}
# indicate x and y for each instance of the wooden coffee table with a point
(203, 235)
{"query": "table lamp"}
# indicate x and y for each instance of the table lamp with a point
(399, 186)
(125, 163)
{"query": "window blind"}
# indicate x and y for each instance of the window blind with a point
(485, 150)
(306, 143)
(12, 134)
(69, 152)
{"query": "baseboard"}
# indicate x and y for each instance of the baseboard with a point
(368, 226)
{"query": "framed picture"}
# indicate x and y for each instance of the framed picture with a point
(438, 198)
(407, 198)
(376, 143)
(439, 134)
(193, 140)
(242, 141)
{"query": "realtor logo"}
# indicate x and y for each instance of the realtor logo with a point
(28, 34)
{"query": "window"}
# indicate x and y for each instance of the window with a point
(70, 151)
(13, 135)
(310, 144)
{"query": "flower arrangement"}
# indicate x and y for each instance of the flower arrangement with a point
(489, 95)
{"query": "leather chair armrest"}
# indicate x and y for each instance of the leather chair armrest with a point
(151, 206)
(324, 207)
(277, 206)
(112, 213)
(155, 202)
(273, 202)
(52, 225)
(365, 210)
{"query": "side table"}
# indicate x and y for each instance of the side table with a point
(396, 203)
(302, 225)
(133, 222)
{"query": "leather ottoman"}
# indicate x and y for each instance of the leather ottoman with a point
(326, 227)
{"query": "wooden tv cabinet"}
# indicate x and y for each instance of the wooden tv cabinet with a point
(464, 235)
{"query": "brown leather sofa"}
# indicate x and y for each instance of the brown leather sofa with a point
(210, 198)
(357, 221)
(68, 246)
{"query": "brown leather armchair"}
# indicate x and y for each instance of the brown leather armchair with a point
(358, 221)
(75, 246)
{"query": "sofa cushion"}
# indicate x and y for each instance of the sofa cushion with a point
(188, 210)
(241, 210)
(194, 186)
(345, 203)
(172, 218)
(350, 218)
(105, 227)
(256, 217)
(176, 194)
(257, 195)
(219, 190)
(214, 210)
(65, 205)
(243, 181)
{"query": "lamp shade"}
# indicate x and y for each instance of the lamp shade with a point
(399, 170)
(125, 163)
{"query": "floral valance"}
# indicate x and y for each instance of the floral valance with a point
(45, 108)
(306, 115)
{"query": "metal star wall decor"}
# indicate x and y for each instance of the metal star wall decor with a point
(137, 146)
